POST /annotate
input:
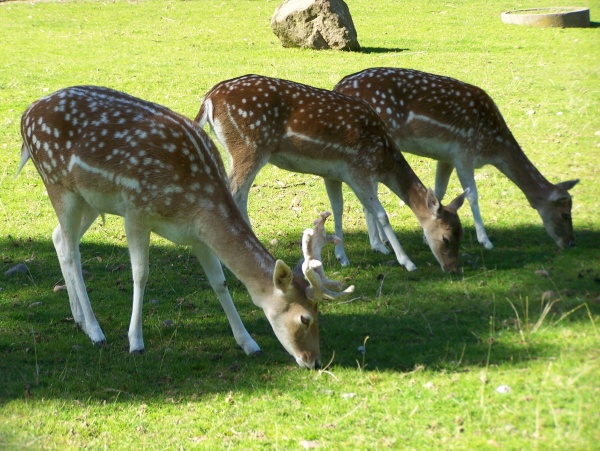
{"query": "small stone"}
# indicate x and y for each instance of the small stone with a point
(21, 267)
(35, 304)
(58, 288)
(168, 323)
(503, 389)
(548, 295)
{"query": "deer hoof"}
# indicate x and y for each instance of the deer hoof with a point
(344, 261)
(487, 244)
(410, 266)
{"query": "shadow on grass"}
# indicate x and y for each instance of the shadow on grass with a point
(368, 50)
(444, 322)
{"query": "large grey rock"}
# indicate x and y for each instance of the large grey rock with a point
(315, 24)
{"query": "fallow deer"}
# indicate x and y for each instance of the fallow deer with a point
(309, 130)
(102, 151)
(459, 125)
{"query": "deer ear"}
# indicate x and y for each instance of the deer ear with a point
(433, 204)
(568, 184)
(282, 276)
(560, 194)
(458, 202)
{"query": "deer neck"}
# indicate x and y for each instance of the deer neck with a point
(515, 165)
(243, 254)
(402, 180)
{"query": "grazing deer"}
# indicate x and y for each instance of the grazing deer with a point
(459, 125)
(102, 151)
(304, 129)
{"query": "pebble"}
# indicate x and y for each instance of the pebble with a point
(21, 267)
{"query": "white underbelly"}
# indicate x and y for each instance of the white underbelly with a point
(297, 163)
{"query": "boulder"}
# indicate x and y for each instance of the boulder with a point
(315, 24)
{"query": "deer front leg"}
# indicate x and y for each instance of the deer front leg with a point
(466, 175)
(242, 176)
(370, 202)
(214, 273)
(442, 177)
(336, 199)
(376, 233)
(66, 237)
(138, 241)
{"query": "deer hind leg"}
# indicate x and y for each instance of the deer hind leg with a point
(214, 272)
(466, 175)
(336, 199)
(368, 198)
(75, 217)
(138, 242)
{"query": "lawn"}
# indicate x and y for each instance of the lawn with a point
(504, 354)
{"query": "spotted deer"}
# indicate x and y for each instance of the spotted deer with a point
(459, 125)
(309, 130)
(102, 151)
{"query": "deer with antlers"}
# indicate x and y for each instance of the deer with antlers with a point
(459, 125)
(102, 151)
(309, 130)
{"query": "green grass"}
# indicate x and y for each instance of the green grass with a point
(439, 346)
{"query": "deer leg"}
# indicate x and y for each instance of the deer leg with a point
(442, 177)
(376, 233)
(466, 175)
(75, 217)
(241, 178)
(214, 272)
(336, 199)
(88, 216)
(368, 197)
(138, 242)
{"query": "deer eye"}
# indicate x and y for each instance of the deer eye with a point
(566, 216)
(446, 240)
(306, 320)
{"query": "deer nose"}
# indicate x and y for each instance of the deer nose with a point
(317, 365)
(566, 244)
(451, 268)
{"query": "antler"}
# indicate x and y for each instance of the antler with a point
(313, 241)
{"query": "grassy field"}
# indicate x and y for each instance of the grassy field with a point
(502, 355)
